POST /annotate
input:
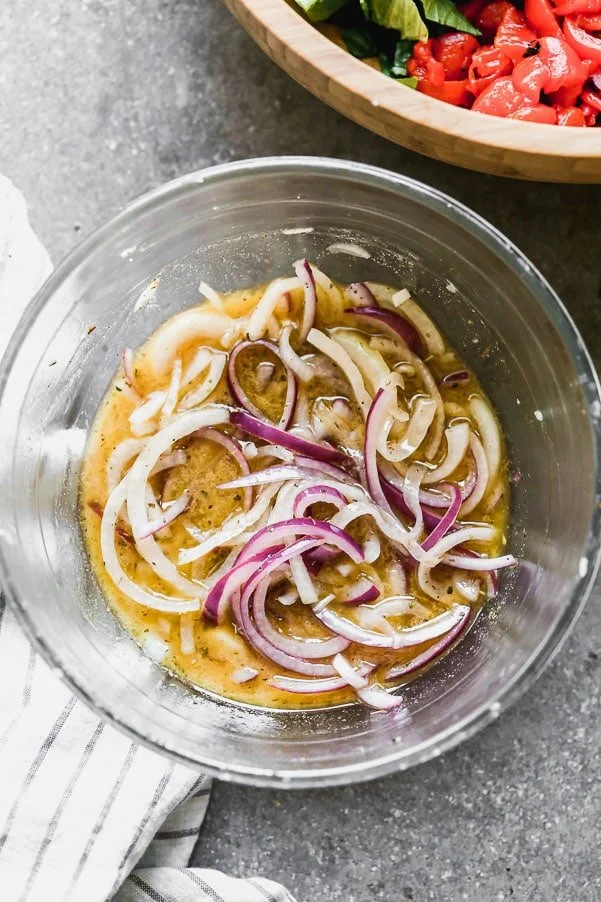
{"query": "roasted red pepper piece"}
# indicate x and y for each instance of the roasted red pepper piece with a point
(587, 46)
(454, 92)
(530, 77)
(488, 63)
(570, 115)
(513, 37)
(472, 9)
(540, 16)
(501, 98)
(589, 23)
(575, 7)
(592, 99)
(565, 97)
(491, 17)
(454, 51)
(589, 113)
(537, 112)
(564, 64)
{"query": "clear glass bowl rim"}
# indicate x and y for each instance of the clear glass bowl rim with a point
(552, 307)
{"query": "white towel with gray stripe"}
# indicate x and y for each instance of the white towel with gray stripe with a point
(80, 803)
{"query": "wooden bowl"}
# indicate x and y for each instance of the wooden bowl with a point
(475, 141)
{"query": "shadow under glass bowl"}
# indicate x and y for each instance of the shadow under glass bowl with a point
(236, 225)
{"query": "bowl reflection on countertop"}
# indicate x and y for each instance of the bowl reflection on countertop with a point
(241, 224)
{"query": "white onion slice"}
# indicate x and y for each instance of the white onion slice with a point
(260, 316)
(422, 322)
(371, 548)
(348, 672)
(341, 358)
(168, 514)
(302, 581)
(114, 569)
(479, 490)
(411, 486)
(489, 433)
(230, 529)
(458, 440)
(155, 648)
(244, 674)
(186, 634)
(452, 539)
(173, 390)
(301, 369)
(210, 294)
(199, 362)
(210, 383)
(186, 327)
(148, 409)
(137, 478)
(370, 362)
(119, 458)
(168, 460)
(422, 416)
(376, 697)
(288, 598)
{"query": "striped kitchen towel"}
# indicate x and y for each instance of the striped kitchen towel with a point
(80, 803)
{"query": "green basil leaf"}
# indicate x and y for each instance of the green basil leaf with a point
(395, 65)
(359, 41)
(318, 10)
(446, 13)
(401, 15)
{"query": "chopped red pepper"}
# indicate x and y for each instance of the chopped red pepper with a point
(574, 7)
(592, 99)
(589, 113)
(454, 92)
(454, 51)
(563, 63)
(535, 113)
(570, 115)
(530, 77)
(488, 63)
(540, 17)
(491, 17)
(500, 98)
(587, 46)
(513, 37)
(566, 96)
(588, 23)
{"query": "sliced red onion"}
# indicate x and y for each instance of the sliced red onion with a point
(245, 674)
(373, 427)
(457, 376)
(463, 562)
(348, 673)
(458, 441)
(403, 670)
(148, 409)
(484, 533)
(421, 419)
(318, 557)
(303, 582)
(305, 275)
(276, 436)
(301, 369)
(325, 469)
(240, 395)
(317, 494)
(278, 533)
(481, 476)
(264, 477)
(363, 591)
(360, 294)
(392, 321)
(201, 361)
(309, 687)
(169, 460)
(167, 515)
(490, 435)
(447, 521)
(413, 635)
(122, 454)
(426, 329)
(297, 648)
(232, 446)
(376, 697)
(397, 578)
(173, 390)
(210, 295)
(371, 548)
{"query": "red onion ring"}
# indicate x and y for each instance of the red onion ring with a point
(277, 533)
(401, 327)
(324, 468)
(378, 698)
(447, 521)
(305, 274)
(359, 293)
(459, 376)
(403, 670)
(276, 436)
(168, 515)
(363, 591)
(240, 395)
(297, 648)
(317, 494)
(233, 448)
(309, 687)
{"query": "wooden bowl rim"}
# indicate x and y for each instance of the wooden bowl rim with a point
(324, 56)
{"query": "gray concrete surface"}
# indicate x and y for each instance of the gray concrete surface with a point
(102, 99)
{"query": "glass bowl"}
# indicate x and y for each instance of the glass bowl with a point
(232, 226)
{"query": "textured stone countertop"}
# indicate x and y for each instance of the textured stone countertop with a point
(101, 100)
